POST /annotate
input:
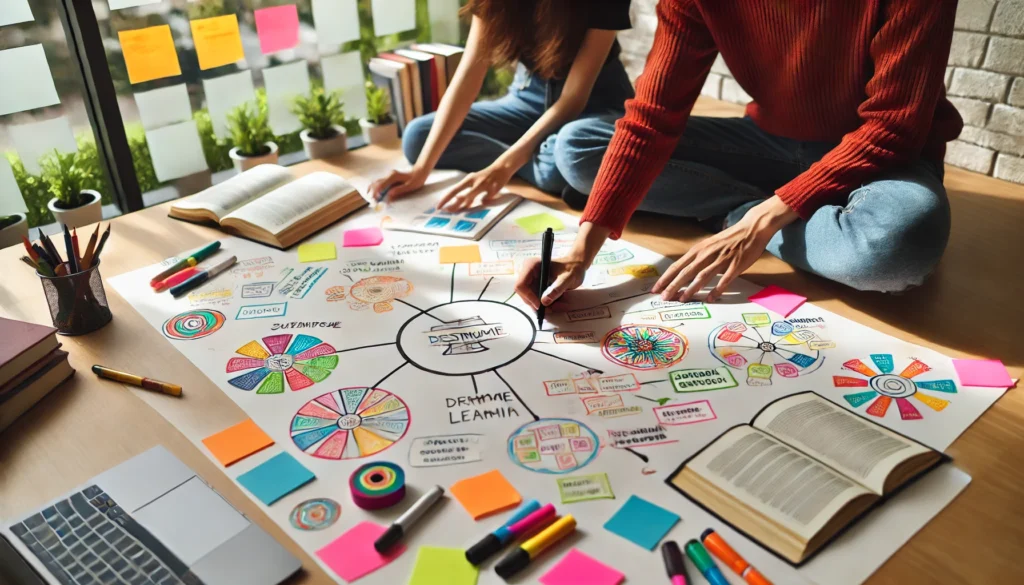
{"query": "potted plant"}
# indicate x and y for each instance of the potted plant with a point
(66, 174)
(12, 229)
(378, 127)
(321, 114)
(251, 134)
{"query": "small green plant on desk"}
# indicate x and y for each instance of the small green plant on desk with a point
(377, 126)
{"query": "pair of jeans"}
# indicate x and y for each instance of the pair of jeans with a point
(492, 127)
(888, 235)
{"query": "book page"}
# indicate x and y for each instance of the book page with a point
(853, 446)
(286, 205)
(228, 196)
(775, 480)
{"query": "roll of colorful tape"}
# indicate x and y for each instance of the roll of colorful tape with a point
(377, 485)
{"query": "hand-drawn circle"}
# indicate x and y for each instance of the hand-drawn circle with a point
(350, 423)
(298, 361)
(193, 324)
(739, 347)
(644, 347)
(315, 514)
(465, 338)
(893, 386)
(378, 292)
(563, 437)
(377, 485)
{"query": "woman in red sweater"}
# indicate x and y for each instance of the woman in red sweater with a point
(836, 168)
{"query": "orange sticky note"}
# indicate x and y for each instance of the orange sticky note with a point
(149, 53)
(485, 494)
(217, 41)
(238, 442)
(460, 254)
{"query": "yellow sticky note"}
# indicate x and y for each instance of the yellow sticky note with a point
(485, 494)
(635, 270)
(217, 41)
(443, 566)
(535, 224)
(317, 252)
(149, 53)
(459, 254)
(238, 442)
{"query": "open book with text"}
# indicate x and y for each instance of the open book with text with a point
(800, 473)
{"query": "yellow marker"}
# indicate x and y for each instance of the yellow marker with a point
(147, 383)
(520, 557)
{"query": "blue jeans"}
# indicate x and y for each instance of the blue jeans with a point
(492, 127)
(888, 235)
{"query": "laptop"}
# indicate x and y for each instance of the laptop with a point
(149, 521)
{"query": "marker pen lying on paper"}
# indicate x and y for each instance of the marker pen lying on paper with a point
(396, 531)
(495, 541)
(520, 558)
(704, 563)
(141, 382)
(674, 564)
(195, 258)
(176, 279)
(732, 559)
(203, 276)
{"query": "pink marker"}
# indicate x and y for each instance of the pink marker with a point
(534, 521)
(176, 278)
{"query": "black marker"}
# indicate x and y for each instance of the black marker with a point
(547, 243)
(396, 531)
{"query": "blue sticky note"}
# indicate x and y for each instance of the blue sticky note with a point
(276, 478)
(641, 522)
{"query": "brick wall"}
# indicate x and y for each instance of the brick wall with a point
(984, 80)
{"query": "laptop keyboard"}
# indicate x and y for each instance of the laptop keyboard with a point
(88, 539)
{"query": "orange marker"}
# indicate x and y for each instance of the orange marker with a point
(731, 558)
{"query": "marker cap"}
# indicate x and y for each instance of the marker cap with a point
(514, 562)
(483, 550)
(389, 539)
(699, 555)
(673, 559)
(725, 553)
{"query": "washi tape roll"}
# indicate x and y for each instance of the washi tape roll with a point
(377, 485)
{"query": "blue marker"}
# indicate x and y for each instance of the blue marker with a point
(493, 542)
(702, 560)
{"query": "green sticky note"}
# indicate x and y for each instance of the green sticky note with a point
(535, 224)
(318, 252)
(580, 488)
(442, 566)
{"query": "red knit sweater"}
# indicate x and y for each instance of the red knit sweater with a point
(867, 74)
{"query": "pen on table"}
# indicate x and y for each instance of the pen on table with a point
(396, 531)
(196, 257)
(732, 559)
(674, 564)
(74, 246)
(90, 249)
(99, 246)
(201, 277)
(70, 249)
(547, 243)
(381, 201)
(29, 261)
(147, 383)
(704, 563)
(520, 558)
(493, 542)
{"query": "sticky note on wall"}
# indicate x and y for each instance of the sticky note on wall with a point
(393, 16)
(337, 21)
(15, 11)
(163, 107)
(283, 83)
(38, 139)
(176, 150)
(278, 28)
(223, 94)
(217, 41)
(35, 89)
(344, 73)
(149, 53)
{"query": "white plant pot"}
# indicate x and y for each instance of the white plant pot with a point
(81, 216)
(244, 163)
(327, 147)
(12, 234)
(378, 133)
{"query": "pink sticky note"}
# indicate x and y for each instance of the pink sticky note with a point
(371, 236)
(577, 568)
(278, 28)
(778, 299)
(987, 373)
(352, 555)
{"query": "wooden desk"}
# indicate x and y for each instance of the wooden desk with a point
(969, 307)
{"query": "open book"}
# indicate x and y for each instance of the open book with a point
(418, 213)
(267, 204)
(803, 471)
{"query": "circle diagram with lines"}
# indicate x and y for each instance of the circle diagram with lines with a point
(350, 423)
(776, 348)
(644, 347)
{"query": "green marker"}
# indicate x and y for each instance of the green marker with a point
(702, 560)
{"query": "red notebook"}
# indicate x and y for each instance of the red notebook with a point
(21, 345)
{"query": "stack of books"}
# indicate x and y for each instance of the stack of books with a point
(415, 78)
(31, 366)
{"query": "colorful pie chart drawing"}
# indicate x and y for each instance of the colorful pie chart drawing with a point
(764, 351)
(644, 347)
(299, 362)
(193, 324)
(885, 387)
(350, 423)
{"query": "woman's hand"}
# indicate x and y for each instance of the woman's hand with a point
(485, 184)
(733, 250)
(568, 273)
(398, 184)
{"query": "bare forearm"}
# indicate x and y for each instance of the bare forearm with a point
(550, 122)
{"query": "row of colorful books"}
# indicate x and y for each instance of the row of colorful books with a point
(415, 78)
(31, 366)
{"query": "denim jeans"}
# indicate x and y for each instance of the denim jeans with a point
(492, 127)
(888, 235)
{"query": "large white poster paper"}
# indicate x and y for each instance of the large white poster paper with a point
(337, 21)
(38, 139)
(26, 69)
(345, 73)
(176, 150)
(393, 16)
(224, 94)
(15, 11)
(283, 83)
(163, 107)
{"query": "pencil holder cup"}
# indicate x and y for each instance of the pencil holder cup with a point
(78, 303)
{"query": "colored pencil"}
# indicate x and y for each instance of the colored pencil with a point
(69, 247)
(74, 244)
(99, 247)
(28, 248)
(50, 248)
(90, 249)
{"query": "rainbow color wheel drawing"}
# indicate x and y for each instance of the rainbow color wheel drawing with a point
(763, 351)
(644, 347)
(350, 423)
(300, 363)
(886, 387)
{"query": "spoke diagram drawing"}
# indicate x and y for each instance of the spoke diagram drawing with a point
(884, 387)
(279, 359)
(765, 350)
(193, 324)
(644, 347)
(553, 445)
(376, 291)
(350, 423)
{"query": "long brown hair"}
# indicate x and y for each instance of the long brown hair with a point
(546, 34)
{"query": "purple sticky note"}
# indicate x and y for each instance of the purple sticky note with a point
(987, 373)
(278, 28)
(777, 299)
(576, 568)
(352, 556)
(361, 238)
